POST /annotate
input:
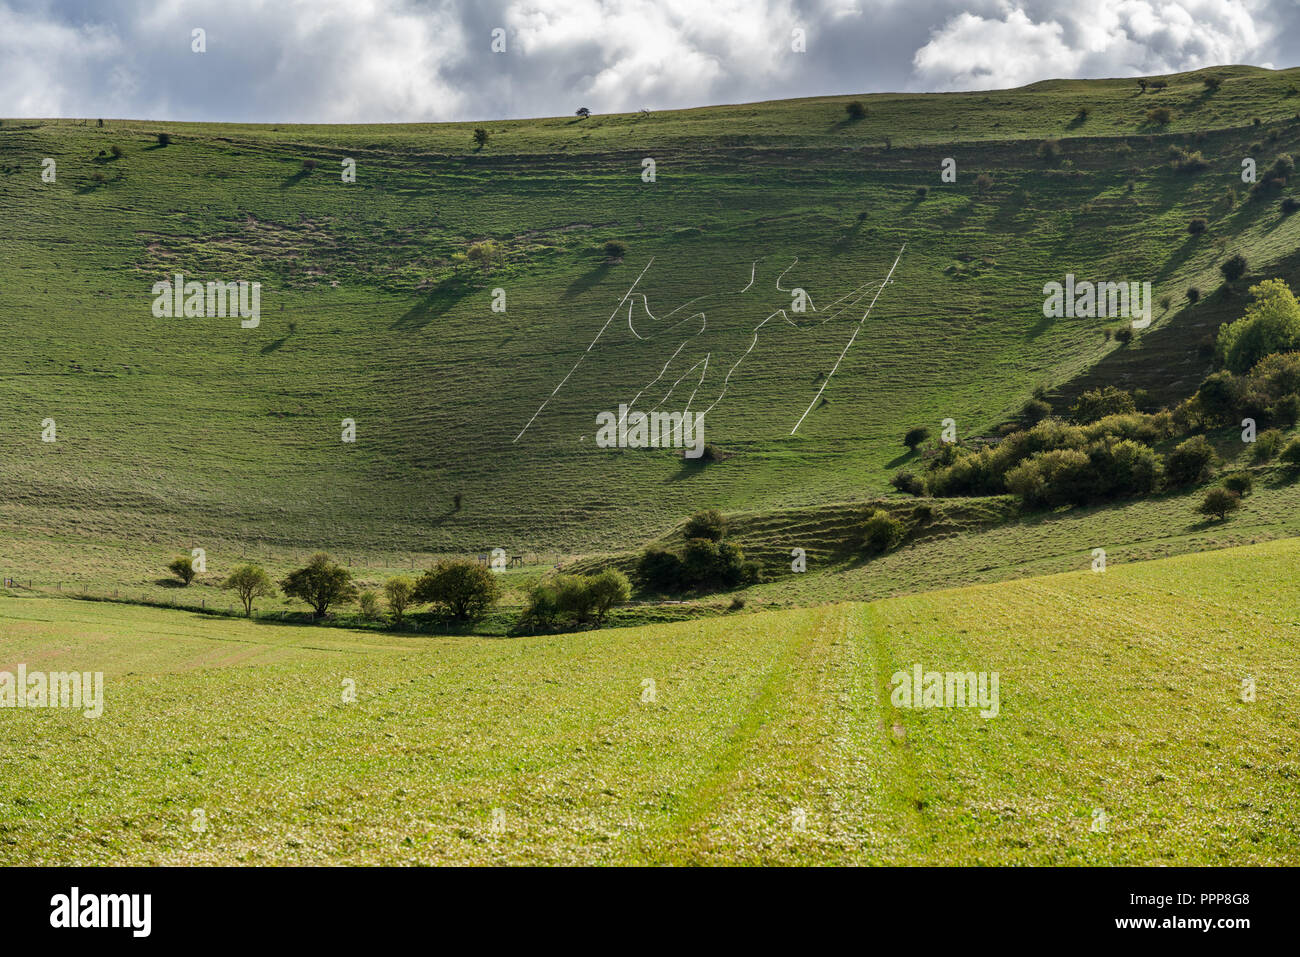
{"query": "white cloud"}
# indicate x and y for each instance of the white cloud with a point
(1028, 40)
(414, 60)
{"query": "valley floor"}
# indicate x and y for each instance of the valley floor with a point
(1122, 734)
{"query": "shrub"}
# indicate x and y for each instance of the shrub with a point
(922, 192)
(709, 524)
(1234, 268)
(615, 249)
(320, 583)
(1212, 83)
(1267, 444)
(708, 564)
(915, 437)
(462, 589)
(737, 604)
(1193, 294)
(480, 137)
(308, 165)
(1290, 205)
(608, 588)
(1218, 502)
(116, 152)
(1198, 226)
(1290, 454)
(984, 182)
(1034, 411)
(183, 568)
(1189, 463)
(660, 570)
(1098, 403)
(1271, 324)
(543, 607)
(1219, 396)
(399, 592)
(908, 483)
(249, 582)
(164, 139)
(856, 110)
(1160, 116)
(1242, 483)
(574, 600)
(1057, 477)
(881, 532)
(1124, 336)
(369, 603)
(1049, 150)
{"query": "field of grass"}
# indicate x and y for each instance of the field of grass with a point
(177, 433)
(763, 738)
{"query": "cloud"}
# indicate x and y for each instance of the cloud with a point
(1028, 40)
(422, 60)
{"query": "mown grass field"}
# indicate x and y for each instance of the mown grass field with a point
(177, 433)
(1119, 693)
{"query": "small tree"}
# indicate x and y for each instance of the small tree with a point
(464, 590)
(480, 137)
(399, 592)
(369, 602)
(608, 588)
(116, 152)
(1198, 225)
(1234, 268)
(1189, 463)
(915, 437)
(1161, 116)
(1212, 83)
(908, 483)
(615, 250)
(183, 568)
(1240, 483)
(710, 524)
(308, 165)
(320, 583)
(1049, 151)
(249, 582)
(856, 110)
(582, 112)
(1219, 502)
(164, 139)
(1291, 453)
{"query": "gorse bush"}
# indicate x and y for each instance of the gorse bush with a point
(574, 599)
(1189, 463)
(708, 524)
(908, 483)
(183, 568)
(1219, 503)
(1099, 403)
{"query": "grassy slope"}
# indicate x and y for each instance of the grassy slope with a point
(175, 433)
(1119, 692)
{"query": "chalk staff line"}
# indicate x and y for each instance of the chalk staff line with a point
(849, 344)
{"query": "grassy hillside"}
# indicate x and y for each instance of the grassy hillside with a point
(174, 433)
(1119, 693)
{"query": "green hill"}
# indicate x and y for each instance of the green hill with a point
(181, 432)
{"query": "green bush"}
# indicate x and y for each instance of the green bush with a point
(1219, 502)
(908, 483)
(399, 592)
(369, 604)
(1234, 268)
(320, 583)
(463, 590)
(710, 524)
(1267, 444)
(1271, 324)
(183, 568)
(1240, 482)
(1290, 454)
(660, 570)
(1189, 463)
(881, 532)
(915, 437)
(1099, 403)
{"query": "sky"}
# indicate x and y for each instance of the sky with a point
(352, 61)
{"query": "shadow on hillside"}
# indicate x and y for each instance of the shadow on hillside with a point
(272, 346)
(168, 583)
(586, 281)
(437, 303)
(296, 178)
